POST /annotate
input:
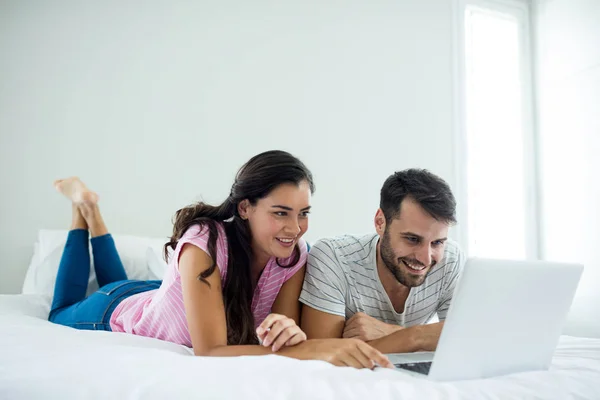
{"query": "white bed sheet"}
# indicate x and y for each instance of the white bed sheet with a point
(39, 359)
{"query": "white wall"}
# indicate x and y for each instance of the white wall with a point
(155, 105)
(568, 34)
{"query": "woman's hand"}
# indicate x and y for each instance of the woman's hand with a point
(341, 352)
(279, 331)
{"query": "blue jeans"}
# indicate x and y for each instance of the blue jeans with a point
(70, 307)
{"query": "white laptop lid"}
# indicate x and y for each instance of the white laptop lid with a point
(505, 317)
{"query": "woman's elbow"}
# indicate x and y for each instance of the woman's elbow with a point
(207, 351)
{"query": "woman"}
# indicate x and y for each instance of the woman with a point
(233, 279)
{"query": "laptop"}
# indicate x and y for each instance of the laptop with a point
(505, 317)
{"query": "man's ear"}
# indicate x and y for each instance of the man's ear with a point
(243, 208)
(379, 222)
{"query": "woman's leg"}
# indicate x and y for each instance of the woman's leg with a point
(107, 262)
(74, 268)
(95, 311)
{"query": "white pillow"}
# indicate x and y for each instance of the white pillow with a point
(156, 263)
(140, 257)
(24, 304)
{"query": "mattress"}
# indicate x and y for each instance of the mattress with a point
(39, 359)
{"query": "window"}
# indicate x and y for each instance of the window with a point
(498, 147)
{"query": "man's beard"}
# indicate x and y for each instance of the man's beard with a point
(394, 265)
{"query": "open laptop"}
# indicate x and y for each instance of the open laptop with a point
(505, 317)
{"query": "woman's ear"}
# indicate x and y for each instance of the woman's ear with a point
(243, 208)
(379, 222)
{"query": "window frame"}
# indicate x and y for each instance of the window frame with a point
(522, 11)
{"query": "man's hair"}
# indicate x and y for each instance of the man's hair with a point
(431, 192)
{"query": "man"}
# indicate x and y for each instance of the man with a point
(384, 288)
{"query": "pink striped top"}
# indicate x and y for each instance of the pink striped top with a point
(160, 313)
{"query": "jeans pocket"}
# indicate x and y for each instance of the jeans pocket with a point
(110, 289)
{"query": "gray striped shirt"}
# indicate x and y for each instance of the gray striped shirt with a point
(342, 279)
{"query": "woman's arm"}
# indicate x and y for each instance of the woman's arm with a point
(287, 302)
(282, 327)
(205, 313)
(204, 308)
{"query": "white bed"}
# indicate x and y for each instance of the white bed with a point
(42, 360)
(47, 361)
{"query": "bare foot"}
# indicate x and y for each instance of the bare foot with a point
(75, 190)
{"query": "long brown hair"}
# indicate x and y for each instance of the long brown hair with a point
(254, 181)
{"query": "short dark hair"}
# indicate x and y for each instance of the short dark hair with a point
(430, 191)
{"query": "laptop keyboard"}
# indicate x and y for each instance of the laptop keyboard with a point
(419, 367)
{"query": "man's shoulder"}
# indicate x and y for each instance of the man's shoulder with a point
(452, 251)
(344, 247)
(454, 257)
(339, 258)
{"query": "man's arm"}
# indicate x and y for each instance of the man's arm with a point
(409, 340)
(321, 325)
(364, 327)
(323, 294)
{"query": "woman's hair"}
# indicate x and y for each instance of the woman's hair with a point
(254, 181)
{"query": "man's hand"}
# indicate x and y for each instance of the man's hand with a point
(428, 336)
(366, 328)
(408, 340)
